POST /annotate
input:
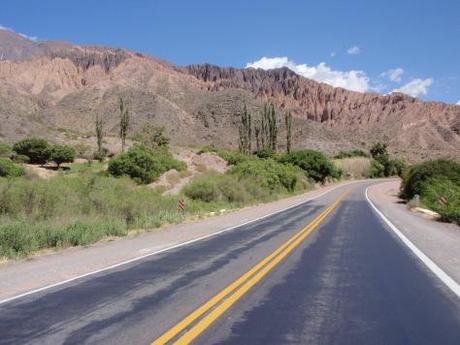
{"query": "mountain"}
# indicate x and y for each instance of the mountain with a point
(56, 89)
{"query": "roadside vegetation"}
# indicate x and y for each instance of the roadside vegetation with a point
(112, 195)
(436, 185)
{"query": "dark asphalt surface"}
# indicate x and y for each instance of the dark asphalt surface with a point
(349, 282)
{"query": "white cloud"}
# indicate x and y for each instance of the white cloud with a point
(458, 103)
(416, 87)
(333, 54)
(393, 74)
(32, 38)
(355, 50)
(351, 80)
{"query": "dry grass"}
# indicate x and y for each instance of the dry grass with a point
(355, 167)
(201, 168)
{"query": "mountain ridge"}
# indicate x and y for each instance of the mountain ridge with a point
(54, 87)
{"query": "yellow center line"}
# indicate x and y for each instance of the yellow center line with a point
(241, 285)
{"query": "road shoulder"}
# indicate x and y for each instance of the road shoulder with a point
(439, 241)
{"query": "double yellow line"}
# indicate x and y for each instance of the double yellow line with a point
(228, 296)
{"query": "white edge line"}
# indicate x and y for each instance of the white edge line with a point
(46, 287)
(443, 276)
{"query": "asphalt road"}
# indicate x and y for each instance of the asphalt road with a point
(325, 272)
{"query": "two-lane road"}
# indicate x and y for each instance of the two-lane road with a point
(325, 272)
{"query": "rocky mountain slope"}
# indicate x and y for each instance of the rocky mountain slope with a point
(56, 90)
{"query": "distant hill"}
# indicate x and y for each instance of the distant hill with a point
(56, 89)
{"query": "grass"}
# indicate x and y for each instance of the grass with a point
(355, 167)
(76, 210)
(90, 167)
(82, 206)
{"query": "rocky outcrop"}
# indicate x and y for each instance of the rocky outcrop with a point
(401, 120)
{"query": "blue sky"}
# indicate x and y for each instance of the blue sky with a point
(364, 45)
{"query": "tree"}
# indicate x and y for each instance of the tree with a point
(245, 131)
(273, 127)
(124, 123)
(62, 154)
(38, 150)
(100, 138)
(143, 164)
(379, 150)
(380, 154)
(288, 122)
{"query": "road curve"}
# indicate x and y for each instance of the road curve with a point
(325, 272)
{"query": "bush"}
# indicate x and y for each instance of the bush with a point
(380, 154)
(203, 188)
(38, 150)
(152, 136)
(315, 164)
(234, 157)
(143, 164)
(400, 167)
(266, 153)
(232, 190)
(20, 158)
(75, 210)
(208, 149)
(434, 190)
(268, 174)
(376, 169)
(101, 155)
(5, 150)
(351, 154)
(62, 154)
(418, 175)
(9, 169)
(437, 182)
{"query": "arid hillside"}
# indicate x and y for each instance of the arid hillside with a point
(56, 90)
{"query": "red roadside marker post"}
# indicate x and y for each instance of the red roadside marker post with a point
(181, 205)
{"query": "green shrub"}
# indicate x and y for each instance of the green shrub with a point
(208, 149)
(417, 175)
(391, 167)
(5, 150)
(234, 157)
(203, 188)
(143, 164)
(268, 173)
(232, 190)
(62, 154)
(376, 169)
(266, 153)
(38, 150)
(434, 190)
(351, 154)
(75, 210)
(153, 136)
(101, 155)
(10, 169)
(20, 158)
(400, 167)
(315, 164)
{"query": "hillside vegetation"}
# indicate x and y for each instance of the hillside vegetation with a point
(86, 202)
